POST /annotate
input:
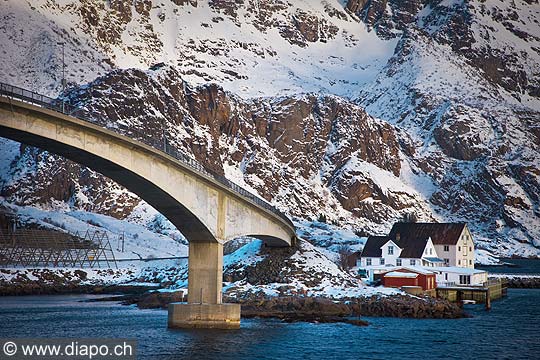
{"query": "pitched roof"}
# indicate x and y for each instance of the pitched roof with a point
(440, 233)
(372, 248)
(413, 247)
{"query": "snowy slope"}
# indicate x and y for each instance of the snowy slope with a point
(304, 270)
(252, 48)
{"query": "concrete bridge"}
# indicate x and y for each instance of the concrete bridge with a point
(208, 209)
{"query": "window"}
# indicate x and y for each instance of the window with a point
(382, 261)
(470, 262)
(413, 262)
(459, 248)
(459, 262)
(390, 250)
(446, 248)
(470, 248)
(429, 251)
(368, 262)
(447, 261)
(446, 276)
(398, 262)
(465, 279)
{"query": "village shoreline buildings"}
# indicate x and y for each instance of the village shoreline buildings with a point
(417, 254)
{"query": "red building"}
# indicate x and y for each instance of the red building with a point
(409, 277)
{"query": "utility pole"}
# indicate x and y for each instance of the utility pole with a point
(63, 73)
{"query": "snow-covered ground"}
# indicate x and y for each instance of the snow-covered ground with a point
(308, 271)
(139, 242)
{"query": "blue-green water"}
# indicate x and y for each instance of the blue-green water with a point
(510, 330)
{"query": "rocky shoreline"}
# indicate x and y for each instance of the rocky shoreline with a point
(46, 289)
(59, 282)
(317, 309)
(523, 282)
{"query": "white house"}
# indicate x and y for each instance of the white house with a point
(399, 251)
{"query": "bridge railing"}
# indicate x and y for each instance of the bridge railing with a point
(60, 106)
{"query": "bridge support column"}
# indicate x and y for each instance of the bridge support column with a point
(205, 277)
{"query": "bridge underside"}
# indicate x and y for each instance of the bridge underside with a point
(207, 213)
(191, 227)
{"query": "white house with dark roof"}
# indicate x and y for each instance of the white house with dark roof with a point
(399, 251)
(446, 249)
(453, 241)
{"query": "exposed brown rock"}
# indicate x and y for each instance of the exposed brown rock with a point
(293, 130)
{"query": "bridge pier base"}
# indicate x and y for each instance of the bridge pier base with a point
(205, 279)
(204, 316)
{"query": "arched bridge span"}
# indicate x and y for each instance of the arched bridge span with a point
(207, 208)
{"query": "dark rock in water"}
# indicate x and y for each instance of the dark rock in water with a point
(300, 309)
(155, 300)
(407, 307)
(357, 322)
(294, 307)
(523, 282)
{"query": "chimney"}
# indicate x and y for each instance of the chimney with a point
(398, 236)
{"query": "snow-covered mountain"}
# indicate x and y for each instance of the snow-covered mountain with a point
(359, 110)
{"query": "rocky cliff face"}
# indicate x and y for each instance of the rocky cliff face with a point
(498, 38)
(422, 106)
(308, 154)
(470, 70)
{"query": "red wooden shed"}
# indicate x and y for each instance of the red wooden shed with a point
(409, 277)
